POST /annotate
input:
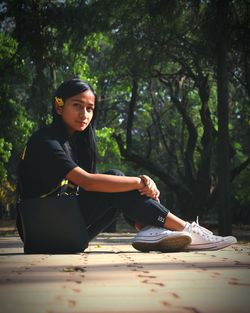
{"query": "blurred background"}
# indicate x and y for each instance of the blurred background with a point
(173, 86)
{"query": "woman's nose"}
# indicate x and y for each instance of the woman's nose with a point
(82, 111)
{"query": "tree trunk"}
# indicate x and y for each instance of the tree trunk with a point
(131, 112)
(225, 219)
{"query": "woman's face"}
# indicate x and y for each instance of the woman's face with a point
(77, 111)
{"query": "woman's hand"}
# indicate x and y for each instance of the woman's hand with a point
(150, 189)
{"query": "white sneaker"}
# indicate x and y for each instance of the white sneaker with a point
(152, 238)
(204, 239)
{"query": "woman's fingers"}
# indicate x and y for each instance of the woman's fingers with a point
(150, 186)
(153, 193)
(147, 190)
(150, 189)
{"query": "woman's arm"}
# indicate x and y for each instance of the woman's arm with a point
(112, 183)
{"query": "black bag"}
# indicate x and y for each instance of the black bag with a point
(53, 225)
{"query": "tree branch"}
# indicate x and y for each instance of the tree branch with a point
(176, 186)
(238, 169)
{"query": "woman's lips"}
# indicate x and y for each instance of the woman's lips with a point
(82, 123)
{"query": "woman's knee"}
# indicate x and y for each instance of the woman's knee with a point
(115, 172)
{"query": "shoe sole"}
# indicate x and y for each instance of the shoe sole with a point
(212, 247)
(168, 244)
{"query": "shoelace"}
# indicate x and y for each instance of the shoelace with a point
(203, 228)
(202, 231)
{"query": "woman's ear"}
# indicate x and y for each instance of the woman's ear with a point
(58, 109)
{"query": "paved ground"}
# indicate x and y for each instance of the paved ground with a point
(113, 277)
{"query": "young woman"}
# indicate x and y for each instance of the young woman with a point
(65, 151)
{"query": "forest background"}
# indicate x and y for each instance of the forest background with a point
(173, 85)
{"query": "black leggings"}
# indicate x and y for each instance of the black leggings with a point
(101, 209)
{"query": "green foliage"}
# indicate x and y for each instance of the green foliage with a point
(167, 47)
(5, 153)
(7, 193)
(241, 188)
(108, 150)
(16, 126)
(8, 46)
(106, 143)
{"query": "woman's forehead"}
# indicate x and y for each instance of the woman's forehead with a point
(84, 96)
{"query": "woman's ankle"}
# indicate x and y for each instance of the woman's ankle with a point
(173, 222)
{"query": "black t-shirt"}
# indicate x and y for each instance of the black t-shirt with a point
(45, 164)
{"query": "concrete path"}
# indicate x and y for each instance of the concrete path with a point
(113, 277)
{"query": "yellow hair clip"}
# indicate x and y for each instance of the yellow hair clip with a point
(59, 101)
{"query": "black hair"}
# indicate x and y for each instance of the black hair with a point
(85, 141)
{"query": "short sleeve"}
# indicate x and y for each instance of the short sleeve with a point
(44, 166)
(53, 162)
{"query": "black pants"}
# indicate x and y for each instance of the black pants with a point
(101, 209)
